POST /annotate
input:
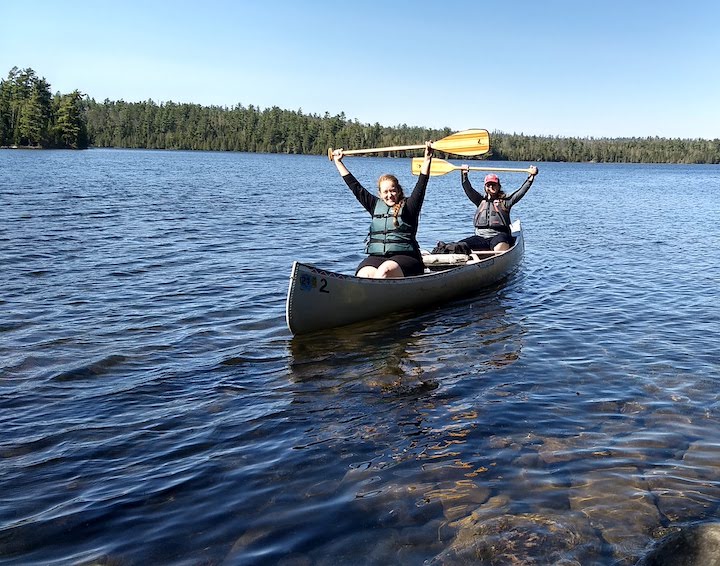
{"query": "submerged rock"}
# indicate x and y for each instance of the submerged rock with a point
(619, 506)
(696, 545)
(492, 536)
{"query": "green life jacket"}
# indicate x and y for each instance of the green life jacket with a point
(384, 236)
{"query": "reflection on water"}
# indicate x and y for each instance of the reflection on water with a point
(425, 340)
(381, 380)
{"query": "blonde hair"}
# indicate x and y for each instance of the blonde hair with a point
(401, 196)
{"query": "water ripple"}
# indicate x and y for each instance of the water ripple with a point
(155, 409)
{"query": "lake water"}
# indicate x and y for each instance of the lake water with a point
(156, 410)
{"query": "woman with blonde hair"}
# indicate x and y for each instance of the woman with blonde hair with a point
(392, 247)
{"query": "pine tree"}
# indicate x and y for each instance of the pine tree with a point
(70, 130)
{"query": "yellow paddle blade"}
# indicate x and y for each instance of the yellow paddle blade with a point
(437, 166)
(467, 142)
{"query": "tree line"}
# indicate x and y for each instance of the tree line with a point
(30, 116)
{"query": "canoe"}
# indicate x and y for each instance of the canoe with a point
(318, 299)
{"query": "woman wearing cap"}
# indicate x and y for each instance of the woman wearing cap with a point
(492, 217)
(392, 247)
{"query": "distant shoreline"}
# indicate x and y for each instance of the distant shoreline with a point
(77, 121)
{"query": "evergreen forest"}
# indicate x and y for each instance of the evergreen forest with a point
(30, 116)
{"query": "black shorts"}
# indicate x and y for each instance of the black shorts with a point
(409, 264)
(486, 244)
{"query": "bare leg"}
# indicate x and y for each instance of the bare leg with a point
(389, 269)
(367, 271)
(501, 247)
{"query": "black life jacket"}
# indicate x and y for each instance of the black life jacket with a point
(492, 214)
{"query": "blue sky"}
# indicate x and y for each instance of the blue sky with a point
(547, 67)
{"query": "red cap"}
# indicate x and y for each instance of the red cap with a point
(492, 178)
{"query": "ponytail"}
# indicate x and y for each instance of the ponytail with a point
(396, 210)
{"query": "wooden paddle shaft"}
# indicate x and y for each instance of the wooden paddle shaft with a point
(501, 169)
(376, 150)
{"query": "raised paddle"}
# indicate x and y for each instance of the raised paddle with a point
(467, 142)
(442, 167)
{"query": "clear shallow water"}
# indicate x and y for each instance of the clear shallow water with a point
(155, 409)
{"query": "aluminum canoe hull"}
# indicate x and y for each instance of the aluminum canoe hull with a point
(319, 299)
